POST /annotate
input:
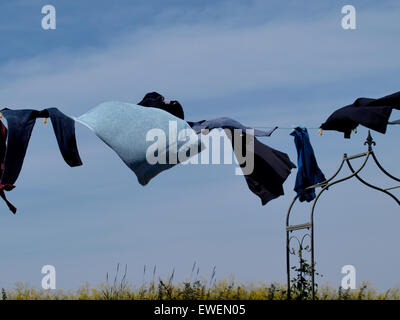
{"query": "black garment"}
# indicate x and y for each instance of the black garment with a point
(391, 100)
(20, 125)
(271, 167)
(371, 113)
(156, 100)
(308, 172)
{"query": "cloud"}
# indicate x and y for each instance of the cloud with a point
(200, 60)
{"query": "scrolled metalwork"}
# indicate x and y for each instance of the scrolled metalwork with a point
(301, 247)
(290, 250)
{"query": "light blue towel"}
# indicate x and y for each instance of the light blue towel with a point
(124, 126)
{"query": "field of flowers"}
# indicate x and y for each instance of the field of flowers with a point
(195, 290)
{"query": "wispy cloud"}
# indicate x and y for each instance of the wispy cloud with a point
(194, 60)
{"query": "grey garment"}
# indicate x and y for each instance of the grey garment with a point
(271, 167)
(227, 123)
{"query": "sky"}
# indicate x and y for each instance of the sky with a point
(263, 63)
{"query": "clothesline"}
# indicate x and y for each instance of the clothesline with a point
(123, 127)
(285, 128)
(319, 130)
(256, 127)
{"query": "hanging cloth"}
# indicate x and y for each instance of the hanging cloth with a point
(156, 100)
(125, 127)
(308, 172)
(6, 187)
(20, 125)
(371, 113)
(227, 123)
(271, 167)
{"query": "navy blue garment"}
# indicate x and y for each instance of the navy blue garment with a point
(20, 125)
(271, 167)
(3, 143)
(371, 113)
(391, 100)
(308, 172)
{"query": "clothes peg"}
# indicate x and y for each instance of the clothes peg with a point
(45, 120)
(320, 132)
(298, 126)
(1, 115)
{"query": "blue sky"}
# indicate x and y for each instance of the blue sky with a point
(264, 63)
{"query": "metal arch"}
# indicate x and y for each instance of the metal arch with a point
(309, 226)
(371, 185)
(382, 169)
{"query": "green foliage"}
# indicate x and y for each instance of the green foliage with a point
(3, 294)
(301, 285)
(196, 288)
